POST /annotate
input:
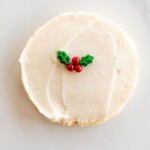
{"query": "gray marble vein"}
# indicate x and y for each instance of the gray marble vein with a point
(143, 6)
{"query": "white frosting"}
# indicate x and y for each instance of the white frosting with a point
(87, 96)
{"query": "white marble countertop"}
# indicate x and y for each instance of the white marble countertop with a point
(22, 127)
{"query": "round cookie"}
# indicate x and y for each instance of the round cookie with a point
(97, 93)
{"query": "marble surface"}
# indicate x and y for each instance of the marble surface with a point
(22, 127)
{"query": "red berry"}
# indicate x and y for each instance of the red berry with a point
(78, 68)
(70, 67)
(75, 60)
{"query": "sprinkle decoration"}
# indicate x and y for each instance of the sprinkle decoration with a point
(76, 64)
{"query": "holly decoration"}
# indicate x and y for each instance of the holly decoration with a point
(70, 67)
(63, 57)
(76, 64)
(78, 68)
(75, 61)
(86, 60)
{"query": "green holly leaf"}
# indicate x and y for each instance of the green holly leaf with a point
(63, 57)
(86, 60)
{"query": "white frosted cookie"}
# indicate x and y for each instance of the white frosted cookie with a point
(100, 90)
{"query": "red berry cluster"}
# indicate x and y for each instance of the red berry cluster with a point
(75, 65)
